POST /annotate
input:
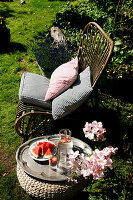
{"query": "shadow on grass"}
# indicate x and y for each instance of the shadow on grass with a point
(5, 11)
(12, 47)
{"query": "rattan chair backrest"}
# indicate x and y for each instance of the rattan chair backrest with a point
(94, 50)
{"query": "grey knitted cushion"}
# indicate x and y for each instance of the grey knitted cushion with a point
(33, 88)
(72, 98)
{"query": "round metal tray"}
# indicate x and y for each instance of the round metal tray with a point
(39, 169)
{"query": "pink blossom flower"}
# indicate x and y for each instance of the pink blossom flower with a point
(74, 155)
(107, 151)
(72, 180)
(109, 163)
(88, 131)
(94, 131)
(74, 162)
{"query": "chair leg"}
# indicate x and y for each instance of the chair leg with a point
(29, 124)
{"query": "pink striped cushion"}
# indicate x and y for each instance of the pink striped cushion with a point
(62, 78)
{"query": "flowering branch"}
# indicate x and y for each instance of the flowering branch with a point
(95, 164)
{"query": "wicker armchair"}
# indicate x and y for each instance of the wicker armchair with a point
(94, 51)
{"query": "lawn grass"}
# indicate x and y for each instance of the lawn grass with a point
(25, 22)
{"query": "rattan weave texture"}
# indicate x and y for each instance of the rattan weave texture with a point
(46, 189)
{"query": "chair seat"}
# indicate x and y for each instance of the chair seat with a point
(33, 88)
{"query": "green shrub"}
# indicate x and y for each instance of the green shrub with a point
(115, 21)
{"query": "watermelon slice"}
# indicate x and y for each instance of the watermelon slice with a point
(36, 151)
(48, 153)
(44, 148)
(39, 143)
(51, 146)
(47, 144)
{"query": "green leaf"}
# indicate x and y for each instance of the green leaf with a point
(118, 42)
(116, 49)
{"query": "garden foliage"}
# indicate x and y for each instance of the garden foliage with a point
(115, 17)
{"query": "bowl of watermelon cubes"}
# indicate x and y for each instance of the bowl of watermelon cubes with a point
(42, 150)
